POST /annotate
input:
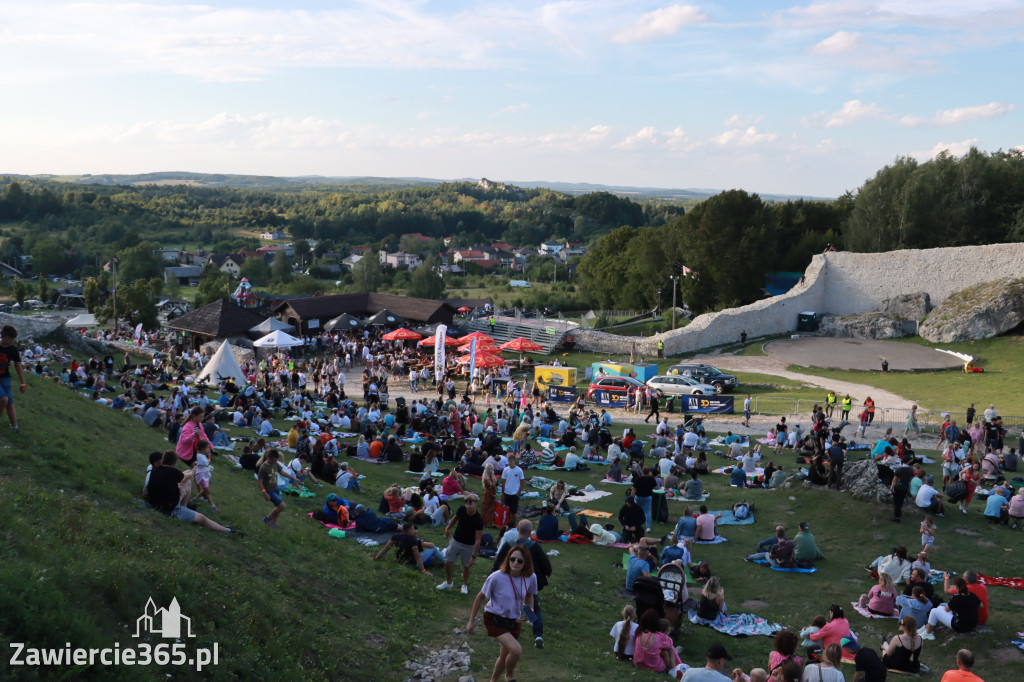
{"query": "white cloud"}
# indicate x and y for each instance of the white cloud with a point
(422, 115)
(738, 137)
(840, 42)
(952, 117)
(661, 23)
(852, 113)
(512, 109)
(742, 121)
(643, 137)
(954, 148)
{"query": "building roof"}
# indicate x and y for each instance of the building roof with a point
(364, 304)
(219, 259)
(220, 319)
(488, 263)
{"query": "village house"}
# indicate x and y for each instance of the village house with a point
(400, 259)
(230, 263)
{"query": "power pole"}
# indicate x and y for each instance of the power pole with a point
(113, 262)
(675, 278)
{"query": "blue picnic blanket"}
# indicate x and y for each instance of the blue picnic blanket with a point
(738, 624)
(729, 519)
(717, 541)
(764, 562)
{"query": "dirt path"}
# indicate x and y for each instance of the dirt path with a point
(762, 364)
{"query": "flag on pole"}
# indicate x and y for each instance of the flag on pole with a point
(439, 336)
(472, 359)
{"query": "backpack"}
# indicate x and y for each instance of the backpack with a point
(741, 510)
(956, 490)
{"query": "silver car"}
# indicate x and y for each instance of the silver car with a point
(677, 384)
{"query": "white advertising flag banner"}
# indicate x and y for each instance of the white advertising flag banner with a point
(472, 360)
(439, 337)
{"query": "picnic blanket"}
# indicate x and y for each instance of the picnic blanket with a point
(301, 492)
(765, 562)
(862, 610)
(729, 518)
(1019, 642)
(678, 498)
(421, 473)
(588, 496)
(717, 541)
(935, 576)
(1017, 583)
(738, 624)
(350, 526)
(380, 460)
(593, 513)
(727, 470)
(623, 482)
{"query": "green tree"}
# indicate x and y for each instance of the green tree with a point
(302, 250)
(604, 269)
(47, 257)
(367, 274)
(140, 261)
(44, 290)
(427, 280)
(256, 271)
(214, 285)
(282, 267)
(20, 291)
(135, 304)
(91, 294)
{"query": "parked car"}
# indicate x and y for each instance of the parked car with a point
(677, 384)
(706, 374)
(619, 385)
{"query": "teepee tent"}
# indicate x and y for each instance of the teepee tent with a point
(222, 366)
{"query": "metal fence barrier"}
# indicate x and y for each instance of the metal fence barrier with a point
(928, 420)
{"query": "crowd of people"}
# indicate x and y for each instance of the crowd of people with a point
(459, 426)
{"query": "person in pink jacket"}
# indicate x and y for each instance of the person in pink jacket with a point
(191, 434)
(834, 630)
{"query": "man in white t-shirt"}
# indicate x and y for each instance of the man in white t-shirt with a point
(690, 439)
(512, 478)
(662, 427)
(928, 498)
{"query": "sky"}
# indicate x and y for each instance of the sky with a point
(809, 98)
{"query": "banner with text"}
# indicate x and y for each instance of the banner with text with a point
(611, 399)
(707, 404)
(562, 394)
(439, 336)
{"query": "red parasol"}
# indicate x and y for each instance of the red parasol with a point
(479, 336)
(522, 345)
(465, 309)
(483, 360)
(402, 334)
(432, 340)
(481, 347)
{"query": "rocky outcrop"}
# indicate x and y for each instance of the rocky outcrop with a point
(908, 307)
(242, 354)
(861, 479)
(34, 326)
(869, 326)
(978, 312)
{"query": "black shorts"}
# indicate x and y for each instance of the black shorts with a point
(512, 502)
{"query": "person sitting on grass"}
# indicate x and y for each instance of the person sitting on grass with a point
(712, 602)
(895, 564)
(170, 490)
(903, 652)
(960, 613)
(706, 525)
(867, 665)
(881, 598)
(694, 488)
(834, 630)
(412, 551)
(784, 650)
(653, 648)
(804, 547)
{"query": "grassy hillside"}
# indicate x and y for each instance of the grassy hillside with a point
(80, 560)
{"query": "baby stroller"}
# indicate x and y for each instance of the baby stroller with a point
(665, 594)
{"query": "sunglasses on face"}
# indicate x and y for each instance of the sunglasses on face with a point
(516, 560)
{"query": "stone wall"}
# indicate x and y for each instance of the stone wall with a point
(838, 283)
(35, 326)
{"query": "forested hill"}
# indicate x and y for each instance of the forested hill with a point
(68, 227)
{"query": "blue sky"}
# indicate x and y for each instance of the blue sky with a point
(799, 98)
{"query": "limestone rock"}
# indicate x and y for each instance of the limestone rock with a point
(35, 326)
(978, 312)
(867, 326)
(242, 354)
(861, 479)
(908, 307)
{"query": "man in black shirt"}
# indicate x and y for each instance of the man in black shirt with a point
(836, 458)
(918, 578)
(465, 542)
(866, 663)
(900, 488)
(169, 492)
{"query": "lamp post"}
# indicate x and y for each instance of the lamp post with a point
(675, 279)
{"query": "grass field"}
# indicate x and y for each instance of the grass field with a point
(1001, 357)
(80, 560)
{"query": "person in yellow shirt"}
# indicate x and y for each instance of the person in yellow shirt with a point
(293, 436)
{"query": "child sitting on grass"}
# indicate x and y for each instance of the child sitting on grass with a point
(624, 634)
(817, 624)
(204, 471)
